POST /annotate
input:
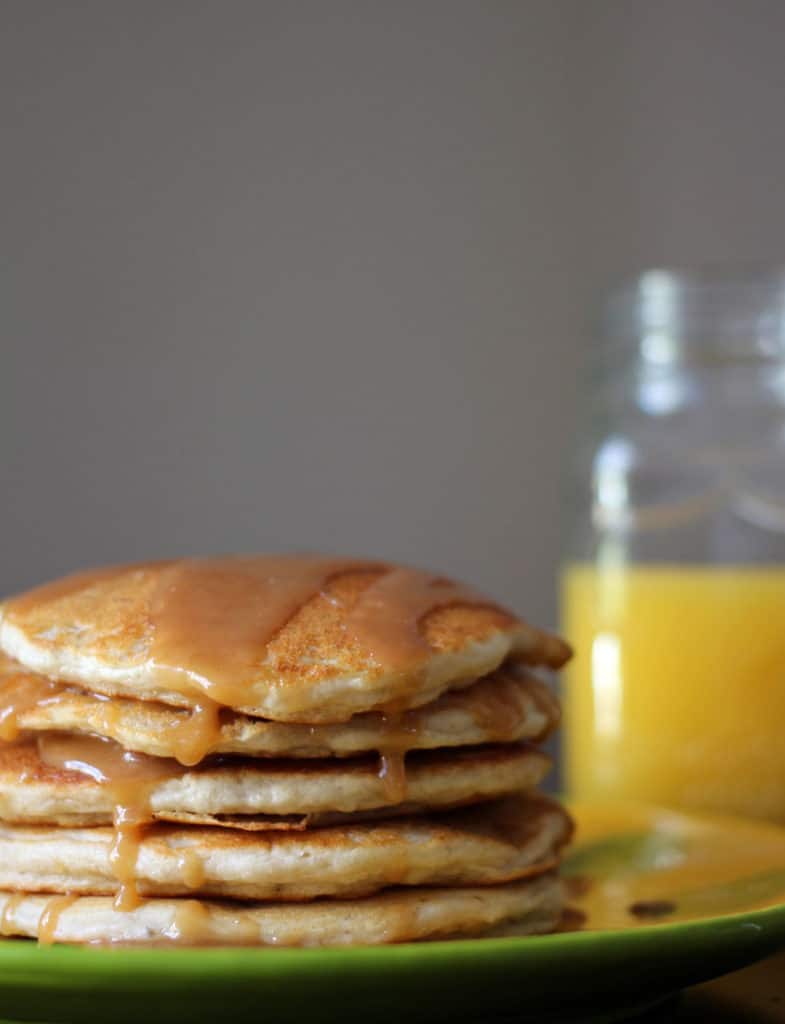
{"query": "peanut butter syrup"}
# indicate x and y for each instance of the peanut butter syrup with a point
(392, 772)
(191, 868)
(196, 736)
(191, 739)
(192, 926)
(397, 740)
(50, 917)
(387, 616)
(211, 621)
(130, 779)
(20, 692)
(9, 913)
(213, 618)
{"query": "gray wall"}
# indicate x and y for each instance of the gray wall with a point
(682, 114)
(317, 274)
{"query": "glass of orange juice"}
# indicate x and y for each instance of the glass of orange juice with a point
(674, 594)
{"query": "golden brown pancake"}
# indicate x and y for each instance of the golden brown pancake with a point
(287, 638)
(259, 794)
(399, 915)
(508, 705)
(500, 841)
(337, 738)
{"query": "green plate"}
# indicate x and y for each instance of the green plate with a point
(666, 899)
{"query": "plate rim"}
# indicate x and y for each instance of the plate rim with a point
(757, 926)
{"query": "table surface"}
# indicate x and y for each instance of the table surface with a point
(755, 995)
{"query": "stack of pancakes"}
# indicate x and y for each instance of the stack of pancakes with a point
(275, 751)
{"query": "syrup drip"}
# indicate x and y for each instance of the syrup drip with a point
(130, 779)
(196, 736)
(50, 918)
(396, 742)
(392, 772)
(191, 868)
(192, 926)
(20, 692)
(129, 827)
(191, 740)
(9, 913)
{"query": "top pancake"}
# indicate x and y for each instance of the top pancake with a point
(289, 638)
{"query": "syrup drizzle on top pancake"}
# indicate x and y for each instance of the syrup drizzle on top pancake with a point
(214, 618)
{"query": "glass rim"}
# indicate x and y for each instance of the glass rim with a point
(668, 317)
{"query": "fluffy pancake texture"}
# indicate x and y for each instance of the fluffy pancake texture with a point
(398, 915)
(494, 842)
(98, 630)
(508, 705)
(236, 792)
(273, 750)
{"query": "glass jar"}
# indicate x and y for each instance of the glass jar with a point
(674, 590)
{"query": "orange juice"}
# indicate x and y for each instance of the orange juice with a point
(677, 692)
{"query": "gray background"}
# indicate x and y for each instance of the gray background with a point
(320, 274)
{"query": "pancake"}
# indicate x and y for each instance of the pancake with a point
(339, 748)
(507, 705)
(501, 841)
(295, 638)
(396, 916)
(245, 793)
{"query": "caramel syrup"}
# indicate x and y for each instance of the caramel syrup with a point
(20, 692)
(192, 925)
(387, 615)
(392, 772)
(130, 779)
(9, 913)
(197, 735)
(397, 739)
(50, 917)
(213, 618)
(212, 621)
(191, 868)
(191, 739)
